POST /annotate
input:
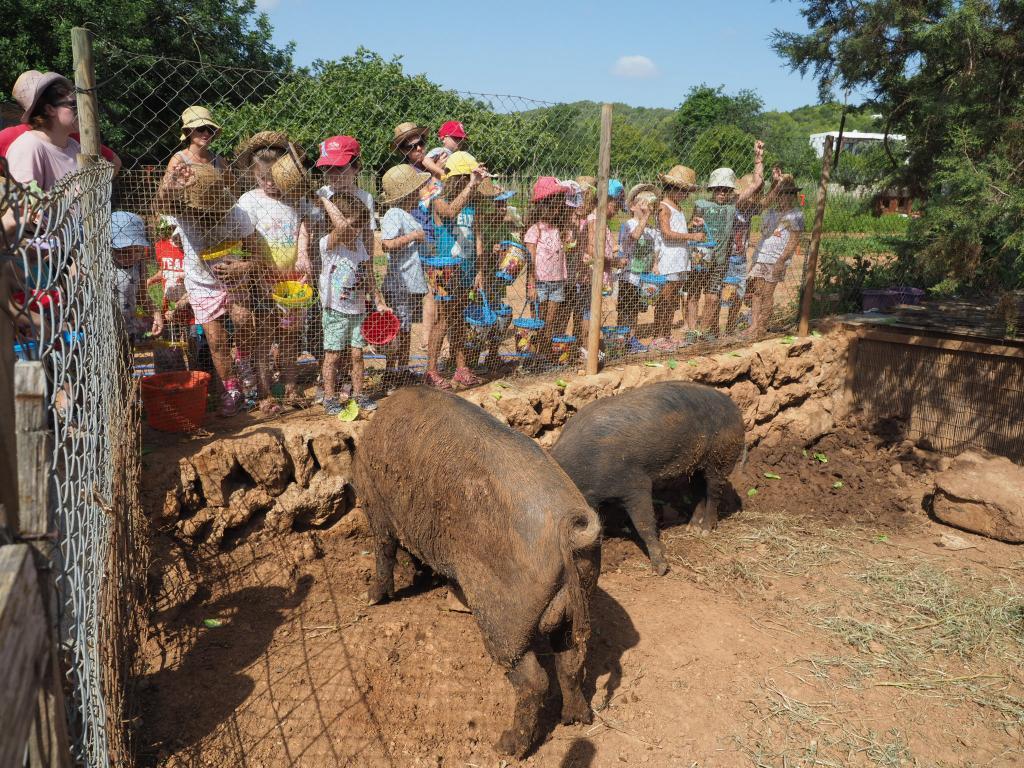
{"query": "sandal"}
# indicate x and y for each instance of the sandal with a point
(436, 380)
(466, 378)
(231, 402)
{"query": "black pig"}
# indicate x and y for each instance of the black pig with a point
(620, 448)
(487, 508)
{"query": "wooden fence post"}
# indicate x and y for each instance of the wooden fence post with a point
(811, 268)
(49, 746)
(600, 230)
(85, 84)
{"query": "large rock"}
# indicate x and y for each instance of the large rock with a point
(214, 465)
(326, 497)
(586, 389)
(519, 413)
(983, 494)
(263, 456)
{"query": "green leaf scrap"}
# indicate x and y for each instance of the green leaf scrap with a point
(816, 334)
(821, 457)
(672, 365)
(496, 394)
(212, 623)
(751, 493)
(350, 412)
(772, 476)
(837, 484)
(787, 340)
(650, 364)
(561, 383)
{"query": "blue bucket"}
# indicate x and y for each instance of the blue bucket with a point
(512, 262)
(480, 315)
(29, 350)
(534, 323)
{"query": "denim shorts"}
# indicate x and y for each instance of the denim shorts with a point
(342, 330)
(551, 290)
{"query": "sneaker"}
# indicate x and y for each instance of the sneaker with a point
(466, 378)
(246, 374)
(332, 406)
(663, 344)
(365, 403)
(634, 347)
(231, 402)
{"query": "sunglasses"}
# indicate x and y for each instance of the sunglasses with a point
(70, 104)
(205, 129)
(410, 146)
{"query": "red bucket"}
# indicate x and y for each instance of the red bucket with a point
(36, 300)
(176, 401)
(380, 327)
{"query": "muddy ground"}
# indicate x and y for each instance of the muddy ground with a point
(830, 622)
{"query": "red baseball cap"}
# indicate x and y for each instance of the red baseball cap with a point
(547, 186)
(338, 151)
(452, 128)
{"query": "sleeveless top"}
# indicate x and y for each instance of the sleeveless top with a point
(674, 257)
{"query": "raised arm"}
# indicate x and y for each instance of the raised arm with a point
(754, 188)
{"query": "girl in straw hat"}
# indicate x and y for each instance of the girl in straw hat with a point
(198, 130)
(673, 258)
(454, 214)
(278, 209)
(402, 237)
(781, 226)
(224, 262)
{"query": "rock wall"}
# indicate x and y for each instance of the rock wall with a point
(297, 471)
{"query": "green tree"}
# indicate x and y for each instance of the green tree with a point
(948, 74)
(216, 33)
(705, 107)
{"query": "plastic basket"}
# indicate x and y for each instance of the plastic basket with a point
(530, 323)
(480, 314)
(615, 338)
(176, 401)
(561, 348)
(292, 294)
(380, 328)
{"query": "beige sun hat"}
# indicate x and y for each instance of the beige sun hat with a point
(400, 182)
(638, 190)
(290, 176)
(205, 194)
(587, 182)
(29, 87)
(405, 131)
(722, 177)
(680, 176)
(194, 117)
(488, 188)
(258, 141)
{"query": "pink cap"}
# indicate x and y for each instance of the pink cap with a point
(337, 151)
(452, 128)
(547, 186)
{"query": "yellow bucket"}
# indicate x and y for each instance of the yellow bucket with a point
(222, 251)
(292, 294)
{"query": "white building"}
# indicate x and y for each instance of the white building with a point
(852, 140)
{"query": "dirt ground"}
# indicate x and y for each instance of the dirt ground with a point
(830, 622)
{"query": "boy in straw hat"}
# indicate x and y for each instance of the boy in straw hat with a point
(224, 263)
(719, 214)
(673, 258)
(638, 241)
(402, 236)
(782, 223)
(278, 209)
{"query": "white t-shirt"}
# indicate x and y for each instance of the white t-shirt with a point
(674, 257)
(278, 223)
(777, 228)
(32, 158)
(340, 289)
(640, 252)
(200, 282)
(367, 199)
(405, 272)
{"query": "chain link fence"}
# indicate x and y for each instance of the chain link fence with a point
(56, 259)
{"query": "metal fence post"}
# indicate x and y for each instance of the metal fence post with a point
(811, 268)
(85, 84)
(600, 229)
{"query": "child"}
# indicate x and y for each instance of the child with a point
(275, 212)
(129, 248)
(346, 276)
(549, 269)
(454, 218)
(734, 289)
(224, 262)
(719, 215)
(500, 223)
(673, 258)
(587, 241)
(402, 236)
(171, 311)
(638, 241)
(453, 137)
(341, 163)
(781, 226)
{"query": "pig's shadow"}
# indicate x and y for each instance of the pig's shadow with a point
(612, 634)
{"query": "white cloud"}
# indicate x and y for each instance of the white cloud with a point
(634, 66)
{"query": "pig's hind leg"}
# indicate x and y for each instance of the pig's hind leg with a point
(705, 515)
(382, 585)
(530, 682)
(640, 508)
(569, 665)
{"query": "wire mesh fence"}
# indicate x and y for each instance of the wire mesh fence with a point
(56, 258)
(269, 278)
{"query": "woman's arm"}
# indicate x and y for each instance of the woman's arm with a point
(531, 273)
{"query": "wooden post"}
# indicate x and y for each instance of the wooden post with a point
(811, 268)
(600, 229)
(85, 84)
(8, 453)
(49, 746)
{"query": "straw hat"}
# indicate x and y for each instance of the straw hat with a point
(258, 141)
(206, 193)
(195, 117)
(400, 182)
(638, 190)
(587, 182)
(290, 176)
(680, 176)
(405, 131)
(786, 185)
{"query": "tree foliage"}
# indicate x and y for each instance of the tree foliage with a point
(949, 74)
(705, 107)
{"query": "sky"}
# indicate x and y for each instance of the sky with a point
(644, 54)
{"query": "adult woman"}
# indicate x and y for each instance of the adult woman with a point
(46, 153)
(198, 130)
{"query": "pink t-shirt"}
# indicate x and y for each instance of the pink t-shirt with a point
(550, 259)
(32, 158)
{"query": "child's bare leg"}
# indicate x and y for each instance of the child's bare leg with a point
(220, 350)
(429, 317)
(664, 309)
(549, 313)
(287, 353)
(329, 373)
(357, 371)
(253, 341)
(435, 340)
(712, 312)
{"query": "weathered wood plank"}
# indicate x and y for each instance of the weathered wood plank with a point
(23, 649)
(35, 445)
